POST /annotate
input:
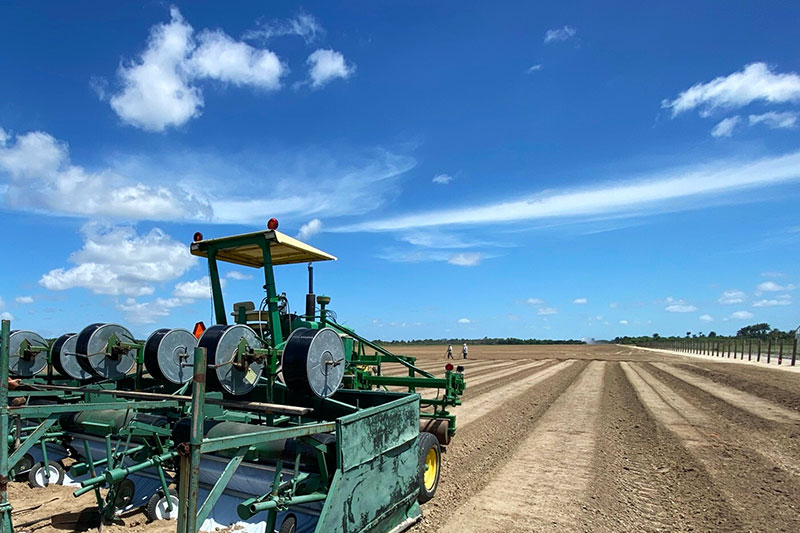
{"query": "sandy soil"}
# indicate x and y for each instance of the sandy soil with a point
(584, 438)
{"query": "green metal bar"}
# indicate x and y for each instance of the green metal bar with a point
(220, 484)
(5, 506)
(216, 287)
(287, 502)
(30, 440)
(36, 411)
(377, 348)
(190, 465)
(249, 439)
(431, 383)
(276, 336)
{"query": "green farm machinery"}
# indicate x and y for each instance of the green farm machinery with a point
(278, 421)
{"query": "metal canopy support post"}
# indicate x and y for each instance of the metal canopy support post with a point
(5, 506)
(276, 336)
(216, 288)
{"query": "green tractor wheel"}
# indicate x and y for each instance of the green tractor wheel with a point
(430, 466)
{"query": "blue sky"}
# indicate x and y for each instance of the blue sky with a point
(479, 169)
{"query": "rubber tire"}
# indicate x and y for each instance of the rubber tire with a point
(289, 524)
(23, 466)
(426, 442)
(150, 509)
(34, 483)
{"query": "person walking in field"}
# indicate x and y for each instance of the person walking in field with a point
(449, 351)
(464, 350)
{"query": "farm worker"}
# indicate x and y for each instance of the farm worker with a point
(449, 351)
(464, 350)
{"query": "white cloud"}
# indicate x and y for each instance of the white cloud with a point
(771, 274)
(303, 25)
(42, 178)
(466, 259)
(580, 301)
(756, 82)
(442, 179)
(534, 301)
(156, 91)
(221, 58)
(775, 120)
(623, 322)
(547, 311)
(706, 318)
(197, 289)
(116, 260)
(3, 137)
(235, 274)
(783, 299)
(464, 321)
(681, 307)
(725, 127)
(668, 190)
(24, 299)
(438, 240)
(309, 229)
(731, 296)
(5, 315)
(559, 34)
(158, 88)
(327, 65)
(534, 68)
(148, 312)
(771, 286)
(742, 315)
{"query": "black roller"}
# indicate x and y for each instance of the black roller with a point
(82, 345)
(169, 355)
(100, 359)
(62, 354)
(26, 363)
(313, 361)
(220, 343)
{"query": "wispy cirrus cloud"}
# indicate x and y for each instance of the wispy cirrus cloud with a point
(659, 192)
(563, 33)
(37, 174)
(303, 25)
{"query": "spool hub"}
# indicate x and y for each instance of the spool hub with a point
(314, 362)
(27, 354)
(168, 355)
(100, 351)
(234, 373)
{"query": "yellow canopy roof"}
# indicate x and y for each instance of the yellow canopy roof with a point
(245, 249)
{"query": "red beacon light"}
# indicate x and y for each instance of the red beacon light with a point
(197, 236)
(448, 367)
(272, 224)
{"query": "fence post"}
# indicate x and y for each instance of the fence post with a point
(769, 350)
(794, 351)
(749, 349)
(758, 359)
(780, 354)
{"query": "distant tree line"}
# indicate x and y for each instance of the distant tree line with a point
(484, 340)
(761, 331)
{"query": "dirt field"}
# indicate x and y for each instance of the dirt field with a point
(591, 438)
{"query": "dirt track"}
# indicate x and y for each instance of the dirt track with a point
(598, 438)
(606, 438)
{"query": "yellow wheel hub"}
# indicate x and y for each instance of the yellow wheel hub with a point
(431, 469)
